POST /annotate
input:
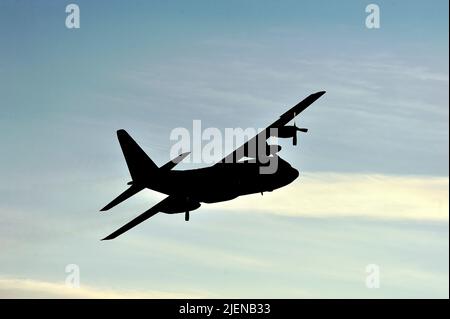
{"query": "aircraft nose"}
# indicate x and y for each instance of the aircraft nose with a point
(293, 174)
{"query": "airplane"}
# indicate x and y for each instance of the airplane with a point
(225, 180)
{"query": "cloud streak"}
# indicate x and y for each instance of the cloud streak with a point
(362, 195)
(29, 288)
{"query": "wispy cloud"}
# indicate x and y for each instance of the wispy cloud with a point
(30, 288)
(374, 196)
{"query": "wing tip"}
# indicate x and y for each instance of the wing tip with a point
(121, 134)
(109, 237)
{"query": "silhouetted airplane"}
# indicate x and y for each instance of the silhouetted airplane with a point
(223, 181)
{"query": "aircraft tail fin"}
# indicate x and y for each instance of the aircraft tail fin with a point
(141, 167)
(138, 162)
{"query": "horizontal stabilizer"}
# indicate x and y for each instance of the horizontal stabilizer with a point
(134, 189)
(171, 164)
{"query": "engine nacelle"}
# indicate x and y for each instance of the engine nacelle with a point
(290, 131)
(252, 151)
(181, 205)
(287, 131)
(272, 149)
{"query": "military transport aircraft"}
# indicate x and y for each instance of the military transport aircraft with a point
(225, 180)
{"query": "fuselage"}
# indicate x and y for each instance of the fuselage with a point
(223, 181)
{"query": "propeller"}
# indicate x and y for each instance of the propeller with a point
(301, 129)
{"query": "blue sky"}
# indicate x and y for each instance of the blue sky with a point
(374, 167)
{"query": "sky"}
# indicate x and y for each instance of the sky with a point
(374, 181)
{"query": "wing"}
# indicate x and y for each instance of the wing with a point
(238, 153)
(296, 110)
(144, 216)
